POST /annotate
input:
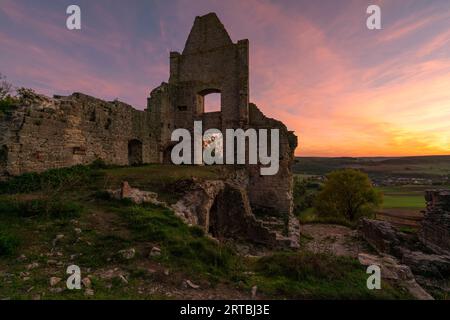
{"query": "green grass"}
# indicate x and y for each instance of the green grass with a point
(47, 203)
(8, 242)
(403, 202)
(182, 246)
(404, 197)
(49, 180)
(310, 216)
(307, 275)
(47, 208)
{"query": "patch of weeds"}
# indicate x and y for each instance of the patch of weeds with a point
(49, 180)
(309, 216)
(8, 243)
(182, 246)
(7, 105)
(98, 250)
(46, 208)
(307, 275)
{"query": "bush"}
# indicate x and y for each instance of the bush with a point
(99, 164)
(51, 179)
(8, 243)
(7, 105)
(46, 208)
(303, 198)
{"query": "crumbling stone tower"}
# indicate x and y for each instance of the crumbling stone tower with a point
(212, 63)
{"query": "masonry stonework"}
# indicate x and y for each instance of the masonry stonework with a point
(435, 227)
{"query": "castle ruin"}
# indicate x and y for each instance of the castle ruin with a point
(44, 133)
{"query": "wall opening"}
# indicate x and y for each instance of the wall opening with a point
(3, 156)
(167, 155)
(134, 152)
(210, 100)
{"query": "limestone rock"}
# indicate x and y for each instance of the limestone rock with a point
(431, 265)
(89, 292)
(155, 252)
(87, 283)
(190, 284)
(254, 291)
(127, 254)
(393, 270)
(54, 281)
(379, 234)
(57, 239)
(32, 266)
(135, 195)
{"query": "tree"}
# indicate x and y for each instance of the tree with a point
(5, 87)
(348, 193)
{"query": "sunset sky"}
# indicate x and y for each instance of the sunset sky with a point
(345, 90)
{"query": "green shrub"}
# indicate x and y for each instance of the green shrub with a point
(99, 164)
(348, 193)
(304, 197)
(8, 243)
(51, 179)
(7, 105)
(47, 208)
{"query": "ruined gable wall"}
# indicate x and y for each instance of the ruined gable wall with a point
(272, 194)
(211, 62)
(72, 130)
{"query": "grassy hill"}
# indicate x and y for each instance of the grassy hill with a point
(62, 217)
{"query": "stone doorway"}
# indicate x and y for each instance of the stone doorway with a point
(3, 159)
(134, 152)
(229, 214)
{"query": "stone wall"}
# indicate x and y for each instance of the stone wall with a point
(44, 133)
(435, 227)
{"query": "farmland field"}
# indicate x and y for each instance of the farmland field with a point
(404, 197)
(419, 167)
(402, 205)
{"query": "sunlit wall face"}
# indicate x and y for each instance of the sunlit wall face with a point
(344, 89)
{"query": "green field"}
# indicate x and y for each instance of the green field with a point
(404, 197)
(419, 167)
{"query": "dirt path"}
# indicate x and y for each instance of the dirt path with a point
(328, 238)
